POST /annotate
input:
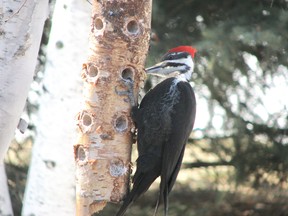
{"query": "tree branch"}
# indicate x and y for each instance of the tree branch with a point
(201, 164)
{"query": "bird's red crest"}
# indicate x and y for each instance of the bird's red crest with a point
(189, 49)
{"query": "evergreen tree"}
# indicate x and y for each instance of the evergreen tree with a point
(241, 71)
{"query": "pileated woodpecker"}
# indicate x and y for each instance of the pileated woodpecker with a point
(164, 119)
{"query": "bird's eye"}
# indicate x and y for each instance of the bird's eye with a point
(169, 57)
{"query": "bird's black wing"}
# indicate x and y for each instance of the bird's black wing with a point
(150, 138)
(151, 123)
(183, 117)
(153, 128)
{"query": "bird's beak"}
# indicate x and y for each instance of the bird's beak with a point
(162, 69)
(155, 68)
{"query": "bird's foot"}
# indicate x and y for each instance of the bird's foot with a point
(129, 83)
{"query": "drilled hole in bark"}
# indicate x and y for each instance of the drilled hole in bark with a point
(81, 154)
(117, 168)
(98, 23)
(133, 27)
(121, 124)
(128, 74)
(87, 120)
(92, 71)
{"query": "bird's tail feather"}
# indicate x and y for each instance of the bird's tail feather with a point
(166, 201)
(125, 206)
(140, 186)
(163, 195)
(157, 206)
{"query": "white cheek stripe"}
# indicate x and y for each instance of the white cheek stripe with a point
(187, 61)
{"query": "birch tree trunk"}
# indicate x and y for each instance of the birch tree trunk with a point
(119, 41)
(50, 189)
(21, 30)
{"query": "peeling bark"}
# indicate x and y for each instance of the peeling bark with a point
(20, 34)
(119, 41)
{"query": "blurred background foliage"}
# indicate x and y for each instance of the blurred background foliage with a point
(237, 158)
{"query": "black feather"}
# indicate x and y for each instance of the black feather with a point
(165, 120)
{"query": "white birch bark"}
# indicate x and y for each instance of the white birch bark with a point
(51, 183)
(119, 41)
(5, 203)
(21, 30)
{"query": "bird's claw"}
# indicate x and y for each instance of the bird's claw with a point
(129, 92)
